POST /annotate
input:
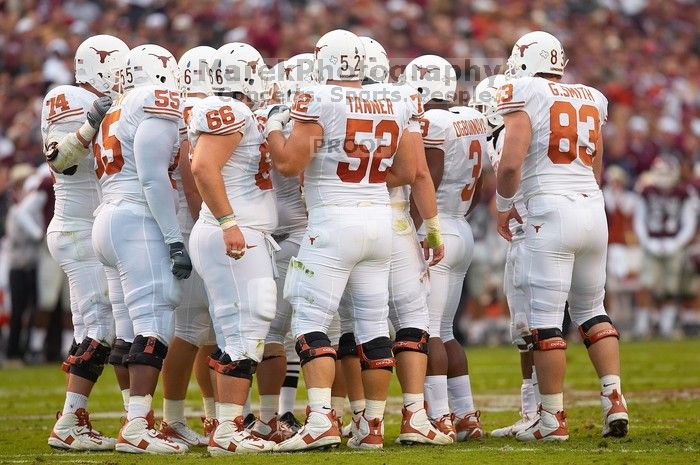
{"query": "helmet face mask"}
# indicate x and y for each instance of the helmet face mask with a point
(194, 67)
(291, 75)
(534, 53)
(340, 56)
(98, 61)
(240, 68)
(433, 77)
(484, 100)
(148, 65)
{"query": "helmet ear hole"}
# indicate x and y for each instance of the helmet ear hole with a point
(523, 67)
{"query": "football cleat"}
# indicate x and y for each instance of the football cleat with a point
(468, 426)
(369, 434)
(139, 436)
(249, 420)
(548, 427)
(319, 432)
(73, 431)
(510, 431)
(416, 428)
(615, 417)
(180, 432)
(275, 430)
(231, 437)
(346, 432)
(291, 421)
(209, 425)
(445, 426)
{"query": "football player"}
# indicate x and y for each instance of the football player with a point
(664, 221)
(408, 276)
(286, 79)
(193, 338)
(454, 147)
(484, 101)
(230, 242)
(136, 230)
(552, 153)
(77, 195)
(345, 146)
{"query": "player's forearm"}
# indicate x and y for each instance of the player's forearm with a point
(285, 154)
(423, 192)
(508, 180)
(194, 200)
(72, 146)
(210, 183)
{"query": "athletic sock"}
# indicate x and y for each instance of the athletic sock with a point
(228, 411)
(247, 410)
(536, 387)
(74, 401)
(125, 398)
(357, 407)
(642, 322)
(436, 396)
(319, 399)
(268, 407)
(139, 406)
(173, 411)
(288, 397)
(413, 402)
(610, 383)
(459, 390)
(553, 403)
(374, 409)
(667, 320)
(209, 407)
(528, 405)
(338, 404)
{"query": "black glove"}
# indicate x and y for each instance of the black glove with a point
(52, 152)
(180, 264)
(99, 109)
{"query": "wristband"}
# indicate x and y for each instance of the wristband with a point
(503, 204)
(227, 221)
(432, 229)
(85, 133)
(272, 125)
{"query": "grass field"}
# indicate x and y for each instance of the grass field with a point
(661, 381)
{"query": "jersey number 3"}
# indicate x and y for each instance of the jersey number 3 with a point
(564, 140)
(360, 151)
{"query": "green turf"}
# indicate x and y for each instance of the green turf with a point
(661, 381)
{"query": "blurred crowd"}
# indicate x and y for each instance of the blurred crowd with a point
(643, 54)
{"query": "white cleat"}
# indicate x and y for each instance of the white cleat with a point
(180, 432)
(510, 431)
(615, 417)
(347, 429)
(275, 430)
(231, 437)
(319, 432)
(139, 436)
(549, 427)
(73, 431)
(416, 428)
(368, 435)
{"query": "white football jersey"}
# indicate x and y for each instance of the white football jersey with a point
(566, 122)
(184, 217)
(399, 196)
(463, 139)
(114, 144)
(495, 152)
(360, 137)
(291, 211)
(65, 110)
(247, 172)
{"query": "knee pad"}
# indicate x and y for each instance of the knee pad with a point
(548, 339)
(411, 339)
(65, 365)
(214, 357)
(590, 339)
(238, 369)
(146, 351)
(376, 354)
(89, 360)
(314, 345)
(120, 349)
(347, 346)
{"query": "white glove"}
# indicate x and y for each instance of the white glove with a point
(277, 118)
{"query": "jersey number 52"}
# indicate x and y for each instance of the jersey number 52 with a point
(360, 151)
